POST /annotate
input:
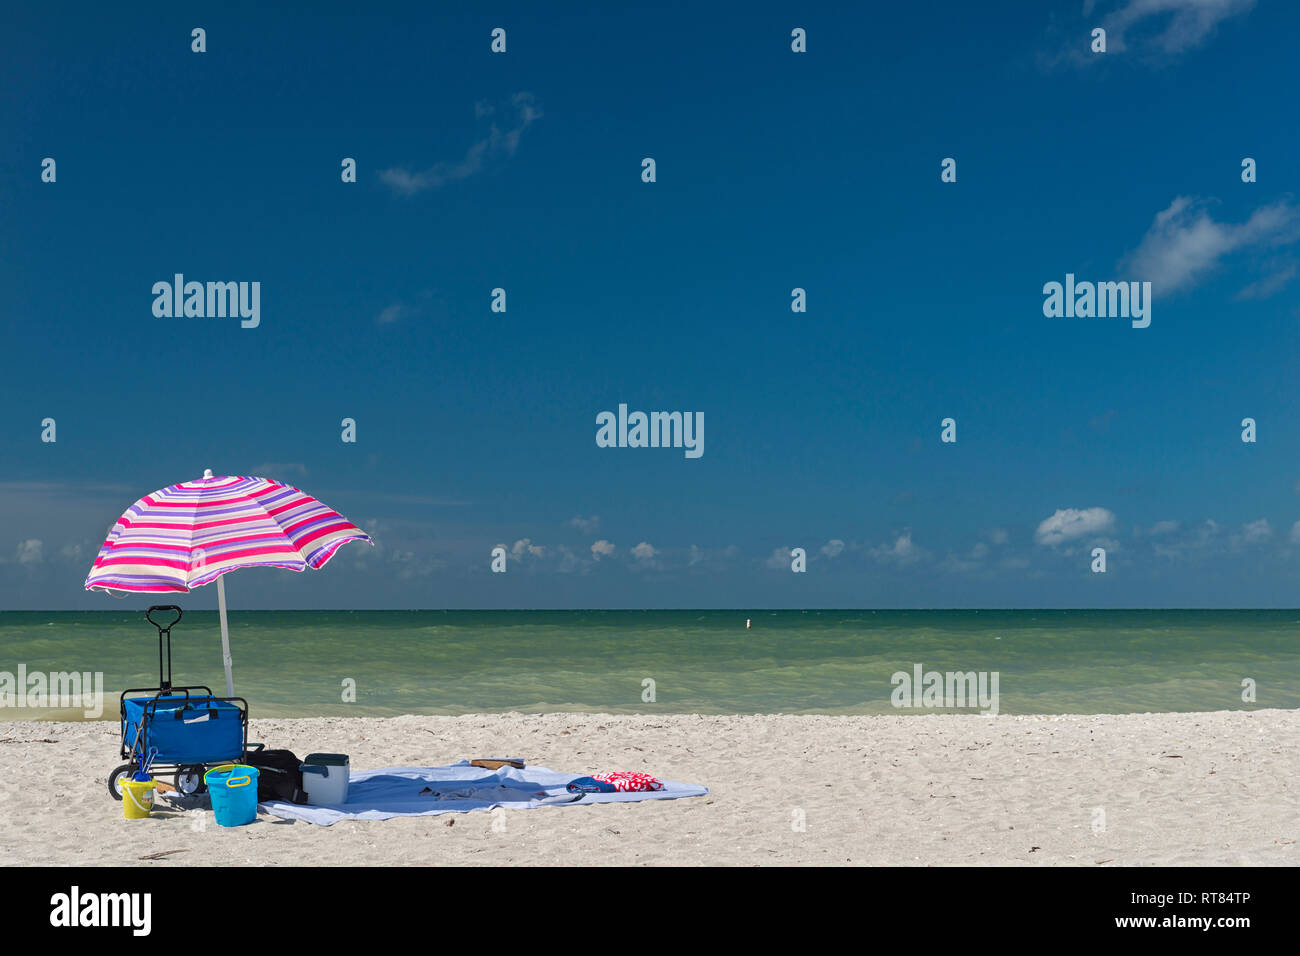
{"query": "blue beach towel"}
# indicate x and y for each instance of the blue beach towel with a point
(458, 788)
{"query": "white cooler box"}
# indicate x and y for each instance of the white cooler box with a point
(325, 779)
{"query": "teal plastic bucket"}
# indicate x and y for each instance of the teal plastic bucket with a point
(233, 789)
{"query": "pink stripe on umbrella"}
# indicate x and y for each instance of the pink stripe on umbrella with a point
(166, 538)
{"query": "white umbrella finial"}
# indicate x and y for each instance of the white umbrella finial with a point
(207, 472)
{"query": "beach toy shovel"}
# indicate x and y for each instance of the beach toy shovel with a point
(137, 799)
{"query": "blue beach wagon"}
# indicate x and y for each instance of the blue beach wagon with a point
(184, 729)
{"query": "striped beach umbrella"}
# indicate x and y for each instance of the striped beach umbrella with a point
(193, 533)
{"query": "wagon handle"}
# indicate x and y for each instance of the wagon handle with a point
(164, 632)
(163, 607)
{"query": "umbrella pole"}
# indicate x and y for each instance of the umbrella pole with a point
(225, 635)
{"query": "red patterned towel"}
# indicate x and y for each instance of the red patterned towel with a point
(626, 782)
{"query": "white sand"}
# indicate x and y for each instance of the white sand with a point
(1215, 788)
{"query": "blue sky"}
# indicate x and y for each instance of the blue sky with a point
(775, 170)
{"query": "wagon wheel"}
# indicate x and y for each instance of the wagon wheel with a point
(117, 776)
(189, 780)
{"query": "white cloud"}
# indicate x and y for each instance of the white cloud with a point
(1201, 539)
(391, 314)
(833, 548)
(412, 566)
(644, 552)
(1258, 530)
(998, 536)
(779, 559)
(525, 547)
(1295, 533)
(31, 551)
(1252, 533)
(711, 558)
(569, 562)
(1162, 527)
(971, 561)
(903, 551)
(1067, 524)
(601, 549)
(498, 142)
(716, 559)
(1186, 23)
(1270, 285)
(1184, 244)
(586, 525)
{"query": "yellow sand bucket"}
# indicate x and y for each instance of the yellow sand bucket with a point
(137, 799)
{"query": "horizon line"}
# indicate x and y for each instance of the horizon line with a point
(644, 610)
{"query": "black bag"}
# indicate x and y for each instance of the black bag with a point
(279, 776)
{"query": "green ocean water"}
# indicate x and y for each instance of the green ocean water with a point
(296, 663)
